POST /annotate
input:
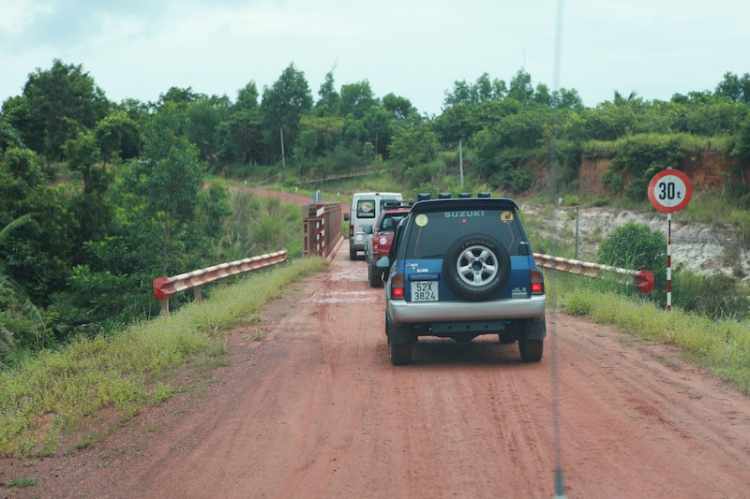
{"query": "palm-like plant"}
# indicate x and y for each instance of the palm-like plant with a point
(7, 345)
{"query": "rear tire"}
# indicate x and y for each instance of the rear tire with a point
(399, 342)
(352, 254)
(531, 350)
(400, 353)
(374, 276)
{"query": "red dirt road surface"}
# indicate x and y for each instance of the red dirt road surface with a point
(316, 410)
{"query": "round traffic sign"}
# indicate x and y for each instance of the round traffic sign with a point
(670, 190)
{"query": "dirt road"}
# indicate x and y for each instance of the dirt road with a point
(315, 410)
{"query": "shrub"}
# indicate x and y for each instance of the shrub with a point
(716, 296)
(636, 247)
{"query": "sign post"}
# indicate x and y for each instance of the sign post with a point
(670, 191)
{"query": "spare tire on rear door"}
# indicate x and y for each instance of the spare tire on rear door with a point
(476, 266)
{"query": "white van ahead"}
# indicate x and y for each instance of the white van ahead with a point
(365, 210)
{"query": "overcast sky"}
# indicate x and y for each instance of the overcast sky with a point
(415, 49)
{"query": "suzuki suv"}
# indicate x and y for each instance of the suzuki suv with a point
(460, 268)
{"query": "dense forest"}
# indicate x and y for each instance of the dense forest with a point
(97, 198)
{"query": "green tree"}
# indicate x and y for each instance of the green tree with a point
(413, 145)
(319, 135)
(399, 107)
(455, 123)
(118, 137)
(520, 87)
(482, 91)
(742, 145)
(542, 95)
(462, 93)
(8, 298)
(735, 88)
(55, 105)
(357, 99)
(240, 137)
(35, 255)
(139, 112)
(378, 122)
(329, 99)
(205, 114)
(91, 207)
(167, 181)
(180, 96)
(9, 136)
(283, 104)
(247, 97)
(567, 99)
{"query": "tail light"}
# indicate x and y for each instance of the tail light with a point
(537, 282)
(397, 286)
(351, 230)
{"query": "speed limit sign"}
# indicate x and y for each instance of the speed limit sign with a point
(670, 190)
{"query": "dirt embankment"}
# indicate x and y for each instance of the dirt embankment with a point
(315, 409)
(706, 170)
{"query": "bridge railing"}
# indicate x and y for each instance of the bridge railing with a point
(164, 287)
(642, 279)
(321, 228)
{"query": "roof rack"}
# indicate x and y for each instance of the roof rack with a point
(398, 204)
(423, 196)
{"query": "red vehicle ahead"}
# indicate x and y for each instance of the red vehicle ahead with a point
(381, 238)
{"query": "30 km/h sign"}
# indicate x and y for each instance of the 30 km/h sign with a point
(670, 190)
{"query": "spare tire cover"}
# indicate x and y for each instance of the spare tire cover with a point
(476, 266)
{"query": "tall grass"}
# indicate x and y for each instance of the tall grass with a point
(47, 394)
(260, 225)
(721, 207)
(722, 345)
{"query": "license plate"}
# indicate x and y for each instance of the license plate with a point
(424, 291)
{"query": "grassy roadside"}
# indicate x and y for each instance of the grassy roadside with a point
(46, 396)
(722, 346)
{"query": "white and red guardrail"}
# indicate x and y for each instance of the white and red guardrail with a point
(164, 287)
(642, 279)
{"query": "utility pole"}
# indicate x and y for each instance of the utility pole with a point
(461, 161)
(283, 161)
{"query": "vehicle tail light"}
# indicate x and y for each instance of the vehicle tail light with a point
(537, 282)
(397, 286)
(351, 230)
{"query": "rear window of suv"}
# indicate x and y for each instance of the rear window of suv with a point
(390, 222)
(432, 233)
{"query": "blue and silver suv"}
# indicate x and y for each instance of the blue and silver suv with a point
(460, 268)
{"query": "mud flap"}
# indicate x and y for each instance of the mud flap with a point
(397, 334)
(536, 330)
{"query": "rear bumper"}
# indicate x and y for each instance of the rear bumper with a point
(358, 242)
(403, 312)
